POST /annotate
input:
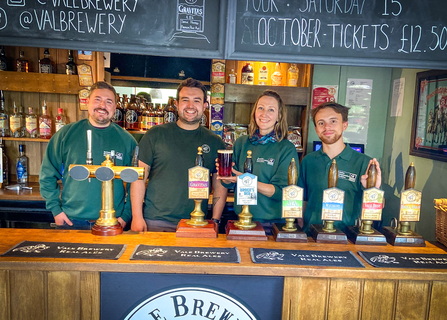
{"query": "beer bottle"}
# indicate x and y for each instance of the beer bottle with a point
(132, 114)
(248, 165)
(118, 117)
(169, 111)
(160, 115)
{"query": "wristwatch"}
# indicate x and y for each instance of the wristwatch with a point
(217, 221)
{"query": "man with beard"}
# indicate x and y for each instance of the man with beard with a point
(330, 120)
(167, 152)
(80, 201)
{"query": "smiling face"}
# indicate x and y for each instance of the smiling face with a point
(190, 107)
(329, 126)
(266, 114)
(101, 107)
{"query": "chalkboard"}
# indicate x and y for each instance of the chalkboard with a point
(394, 33)
(194, 28)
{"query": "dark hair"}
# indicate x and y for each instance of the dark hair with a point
(191, 83)
(340, 109)
(102, 85)
(281, 128)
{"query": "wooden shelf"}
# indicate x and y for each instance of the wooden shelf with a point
(39, 82)
(25, 139)
(136, 131)
(142, 80)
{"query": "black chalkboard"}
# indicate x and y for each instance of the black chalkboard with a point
(193, 28)
(395, 33)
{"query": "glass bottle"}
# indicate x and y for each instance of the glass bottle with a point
(3, 60)
(152, 120)
(247, 75)
(60, 120)
(263, 74)
(132, 114)
(145, 117)
(125, 105)
(169, 111)
(16, 123)
(22, 65)
(4, 123)
(22, 167)
(292, 75)
(205, 121)
(5, 165)
(31, 124)
(118, 117)
(160, 115)
(70, 67)
(45, 123)
(232, 77)
(141, 108)
(277, 75)
(45, 64)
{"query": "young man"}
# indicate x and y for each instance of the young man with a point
(167, 152)
(330, 120)
(80, 201)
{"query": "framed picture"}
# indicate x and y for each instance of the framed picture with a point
(429, 129)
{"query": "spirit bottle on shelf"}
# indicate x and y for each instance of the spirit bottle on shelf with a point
(45, 64)
(3, 60)
(22, 167)
(160, 115)
(277, 75)
(45, 123)
(247, 75)
(292, 75)
(263, 74)
(22, 65)
(132, 114)
(16, 123)
(4, 123)
(31, 124)
(232, 77)
(60, 120)
(169, 111)
(5, 165)
(70, 67)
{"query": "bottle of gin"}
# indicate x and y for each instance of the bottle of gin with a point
(22, 167)
(263, 74)
(45, 123)
(16, 123)
(70, 67)
(31, 124)
(60, 120)
(4, 123)
(45, 64)
(3, 60)
(22, 65)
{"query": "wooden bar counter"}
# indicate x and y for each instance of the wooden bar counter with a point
(32, 288)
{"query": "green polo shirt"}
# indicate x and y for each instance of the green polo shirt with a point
(314, 171)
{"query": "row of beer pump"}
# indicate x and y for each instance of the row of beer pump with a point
(245, 228)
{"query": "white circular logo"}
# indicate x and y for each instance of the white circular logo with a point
(182, 303)
(246, 181)
(206, 148)
(333, 195)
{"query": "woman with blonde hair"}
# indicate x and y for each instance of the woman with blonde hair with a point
(271, 153)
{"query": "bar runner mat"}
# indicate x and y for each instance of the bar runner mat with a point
(405, 260)
(185, 254)
(306, 258)
(32, 249)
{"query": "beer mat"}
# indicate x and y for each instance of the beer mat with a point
(41, 249)
(306, 258)
(405, 260)
(185, 254)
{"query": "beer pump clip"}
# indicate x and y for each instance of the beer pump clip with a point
(106, 224)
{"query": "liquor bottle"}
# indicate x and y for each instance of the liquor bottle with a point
(45, 64)
(292, 75)
(60, 119)
(169, 111)
(277, 75)
(70, 67)
(232, 77)
(118, 117)
(199, 158)
(5, 165)
(263, 74)
(135, 157)
(132, 114)
(22, 65)
(3, 60)
(248, 164)
(45, 123)
(247, 75)
(4, 123)
(16, 123)
(160, 115)
(31, 124)
(22, 167)
(205, 121)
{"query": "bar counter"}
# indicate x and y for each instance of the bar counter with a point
(309, 292)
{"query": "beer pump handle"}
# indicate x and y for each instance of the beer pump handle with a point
(410, 177)
(248, 165)
(372, 176)
(89, 148)
(135, 157)
(199, 158)
(333, 175)
(292, 173)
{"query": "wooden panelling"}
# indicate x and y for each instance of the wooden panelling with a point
(39, 82)
(4, 294)
(438, 301)
(28, 295)
(305, 298)
(64, 295)
(378, 290)
(90, 295)
(412, 300)
(344, 299)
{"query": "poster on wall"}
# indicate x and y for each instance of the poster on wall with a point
(324, 93)
(358, 99)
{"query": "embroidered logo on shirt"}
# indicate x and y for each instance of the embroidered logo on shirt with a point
(205, 148)
(347, 176)
(269, 161)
